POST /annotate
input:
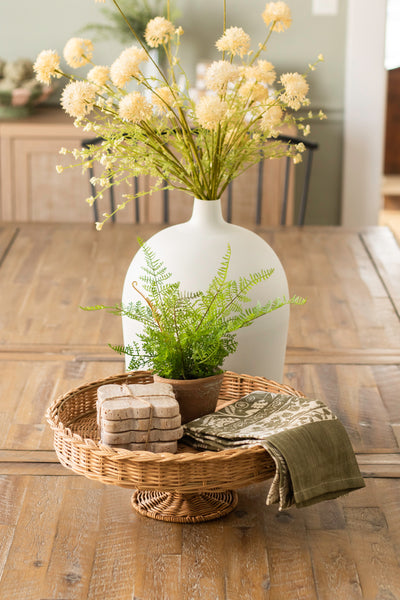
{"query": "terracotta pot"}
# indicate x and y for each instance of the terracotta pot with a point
(196, 397)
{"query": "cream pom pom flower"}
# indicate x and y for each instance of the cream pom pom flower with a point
(78, 52)
(46, 66)
(271, 119)
(164, 99)
(235, 41)
(78, 98)
(126, 65)
(279, 14)
(211, 111)
(253, 91)
(134, 108)
(99, 75)
(296, 89)
(219, 74)
(158, 31)
(263, 71)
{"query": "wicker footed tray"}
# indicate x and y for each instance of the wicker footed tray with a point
(186, 487)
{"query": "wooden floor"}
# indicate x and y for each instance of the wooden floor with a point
(391, 219)
(64, 537)
(389, 215)
(98, 548)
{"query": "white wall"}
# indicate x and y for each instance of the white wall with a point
(29, 26)
(364, 121)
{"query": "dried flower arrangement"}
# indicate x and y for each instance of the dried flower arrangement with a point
(159, 130)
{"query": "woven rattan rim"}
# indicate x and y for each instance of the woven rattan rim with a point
(186, 471)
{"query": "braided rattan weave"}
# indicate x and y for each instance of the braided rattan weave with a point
(184, 476)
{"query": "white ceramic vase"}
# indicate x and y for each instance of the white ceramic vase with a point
(151, 72)
(192, 252)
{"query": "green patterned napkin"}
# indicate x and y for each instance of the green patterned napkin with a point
(312, 452)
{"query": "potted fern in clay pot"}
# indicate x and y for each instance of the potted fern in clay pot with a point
(185, 337)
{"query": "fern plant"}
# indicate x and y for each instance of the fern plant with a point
(188, 335)
(137, 13)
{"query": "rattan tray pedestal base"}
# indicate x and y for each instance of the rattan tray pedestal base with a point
(187, 487)
(184, 508)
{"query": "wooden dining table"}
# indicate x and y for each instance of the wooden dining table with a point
(66, 537)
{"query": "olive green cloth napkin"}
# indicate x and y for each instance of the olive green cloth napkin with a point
(312, 452)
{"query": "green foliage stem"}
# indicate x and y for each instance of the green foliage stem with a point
(188, 335)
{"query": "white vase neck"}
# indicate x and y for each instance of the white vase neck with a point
(207, 212)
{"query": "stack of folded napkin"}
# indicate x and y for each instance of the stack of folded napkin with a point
(310, 447)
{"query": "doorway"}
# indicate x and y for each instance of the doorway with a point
(390, 212)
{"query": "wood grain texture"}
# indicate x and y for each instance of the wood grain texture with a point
(21, 468)
(355, 394)
(28, 456)
(29, 389)
(385, 253)
(379, 465)
(65, 537)
(61, 352)
(348, 307)
(73, 538)
(46, 283)
(382, 463)
(294, 355)
(361, 395)
(7, 236)
(343, 356)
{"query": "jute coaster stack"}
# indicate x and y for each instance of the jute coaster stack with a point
(139, 417)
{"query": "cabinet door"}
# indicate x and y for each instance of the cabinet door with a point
(42, 194)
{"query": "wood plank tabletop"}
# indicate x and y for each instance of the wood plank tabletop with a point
(65, 537)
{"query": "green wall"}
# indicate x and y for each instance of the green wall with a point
(308, 36)
(27, 27)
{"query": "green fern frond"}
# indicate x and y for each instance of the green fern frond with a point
(96, 307)
(297, 300)
(222, 272)
(189, 334)
(129, 350)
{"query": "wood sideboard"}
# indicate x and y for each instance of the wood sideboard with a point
(32, 191)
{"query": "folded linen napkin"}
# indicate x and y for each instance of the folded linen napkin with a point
(310, 447)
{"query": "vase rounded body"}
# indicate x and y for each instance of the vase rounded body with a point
(192, 252)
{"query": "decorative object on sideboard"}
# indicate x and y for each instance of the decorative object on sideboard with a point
(20, 91)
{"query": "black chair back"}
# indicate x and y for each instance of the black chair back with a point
(166, 194)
